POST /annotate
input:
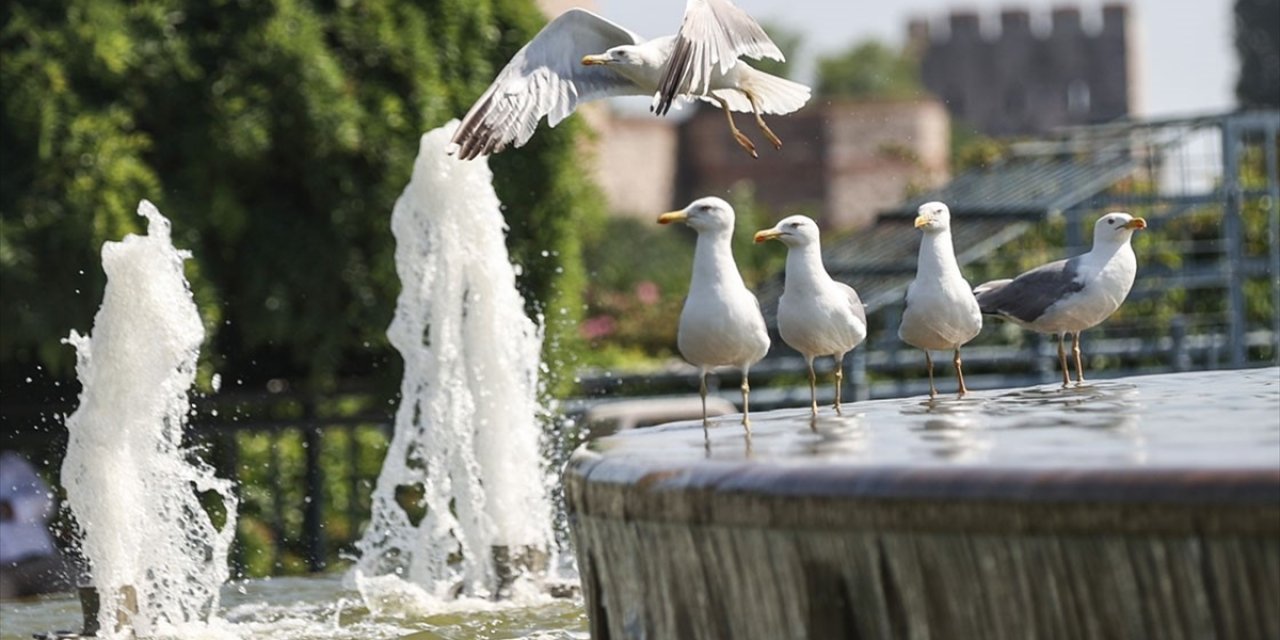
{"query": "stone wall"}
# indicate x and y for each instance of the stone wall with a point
(635, 163)
(1018, 78)
(878, 153)
(842, 161)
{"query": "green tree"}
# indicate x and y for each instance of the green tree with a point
(869, 69)
(1258, 45)
(276, 135)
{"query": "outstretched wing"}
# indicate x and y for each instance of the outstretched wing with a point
(713, 33)
(545, 78)
(1029, 295)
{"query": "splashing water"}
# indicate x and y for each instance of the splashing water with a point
(129, 482)
(466, 433)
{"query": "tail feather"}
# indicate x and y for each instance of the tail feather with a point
(775, 95)
(986, 293)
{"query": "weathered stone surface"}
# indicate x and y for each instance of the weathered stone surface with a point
(1148, 507)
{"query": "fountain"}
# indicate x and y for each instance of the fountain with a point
(467, 435)
(1144, 507)
(478, 522)
(1147, 507)
(157, 559)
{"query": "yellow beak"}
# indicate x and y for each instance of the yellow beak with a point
(1136, 223)
(766, 234)
(922, 221)
(594, 60)
(672, 216)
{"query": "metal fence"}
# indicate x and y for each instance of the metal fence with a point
(1207, 297)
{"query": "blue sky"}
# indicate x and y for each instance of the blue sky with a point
(1185, 49)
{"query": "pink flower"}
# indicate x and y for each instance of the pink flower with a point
(647, 292)
(597, 327)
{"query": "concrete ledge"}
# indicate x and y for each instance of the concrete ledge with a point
(801, 535)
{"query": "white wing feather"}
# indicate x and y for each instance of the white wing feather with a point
(714, 33)
(546, 78)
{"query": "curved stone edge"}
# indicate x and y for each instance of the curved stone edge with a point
(826, 496)
(750, 550)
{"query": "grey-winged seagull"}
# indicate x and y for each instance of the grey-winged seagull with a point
(579, 57)
(941, 312)
(721, 323)
(1069, 296)
(817, 316)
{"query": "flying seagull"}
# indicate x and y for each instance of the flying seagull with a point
(941, 312)
(817, 316)
(721, 323)
(580, 57)
(1069, 296)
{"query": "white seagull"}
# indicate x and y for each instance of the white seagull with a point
(941, 311)
(817, 316)
(1069, 296)
(721, 323)
(580, 57)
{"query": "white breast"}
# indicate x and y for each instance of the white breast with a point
(1106, 284)
(940, 314)
(819, 325)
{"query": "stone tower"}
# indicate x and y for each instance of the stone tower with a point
(1018, 79)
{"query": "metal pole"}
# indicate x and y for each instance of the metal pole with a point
(1273, 239)
(277, 501)
(1231, 230)
(1040, 356)
(353, 461)
(313, 513)
(856, 381)
(1179, 359)
(893, 320)
(1074, 239)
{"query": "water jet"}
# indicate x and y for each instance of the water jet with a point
(467, 432)
(157, 560)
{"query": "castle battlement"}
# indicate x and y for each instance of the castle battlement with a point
(1022, 72)
(966, 27)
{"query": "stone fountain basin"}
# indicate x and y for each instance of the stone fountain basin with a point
(1142, 507)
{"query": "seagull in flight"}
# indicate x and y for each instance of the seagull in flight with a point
(580, 57)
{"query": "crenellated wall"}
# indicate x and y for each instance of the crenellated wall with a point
(1029, 73)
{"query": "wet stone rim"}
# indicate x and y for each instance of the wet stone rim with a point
(858, 497)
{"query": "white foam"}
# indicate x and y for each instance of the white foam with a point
(467, 429)
(129, 482)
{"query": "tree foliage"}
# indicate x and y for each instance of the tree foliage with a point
(869, 69)
(276, 135)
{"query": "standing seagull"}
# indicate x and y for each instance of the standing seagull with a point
(941, 312)
(1069, 296)
(721, 324)
(580, 57)
(817, 316)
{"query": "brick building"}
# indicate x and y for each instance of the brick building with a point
(842, 160)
